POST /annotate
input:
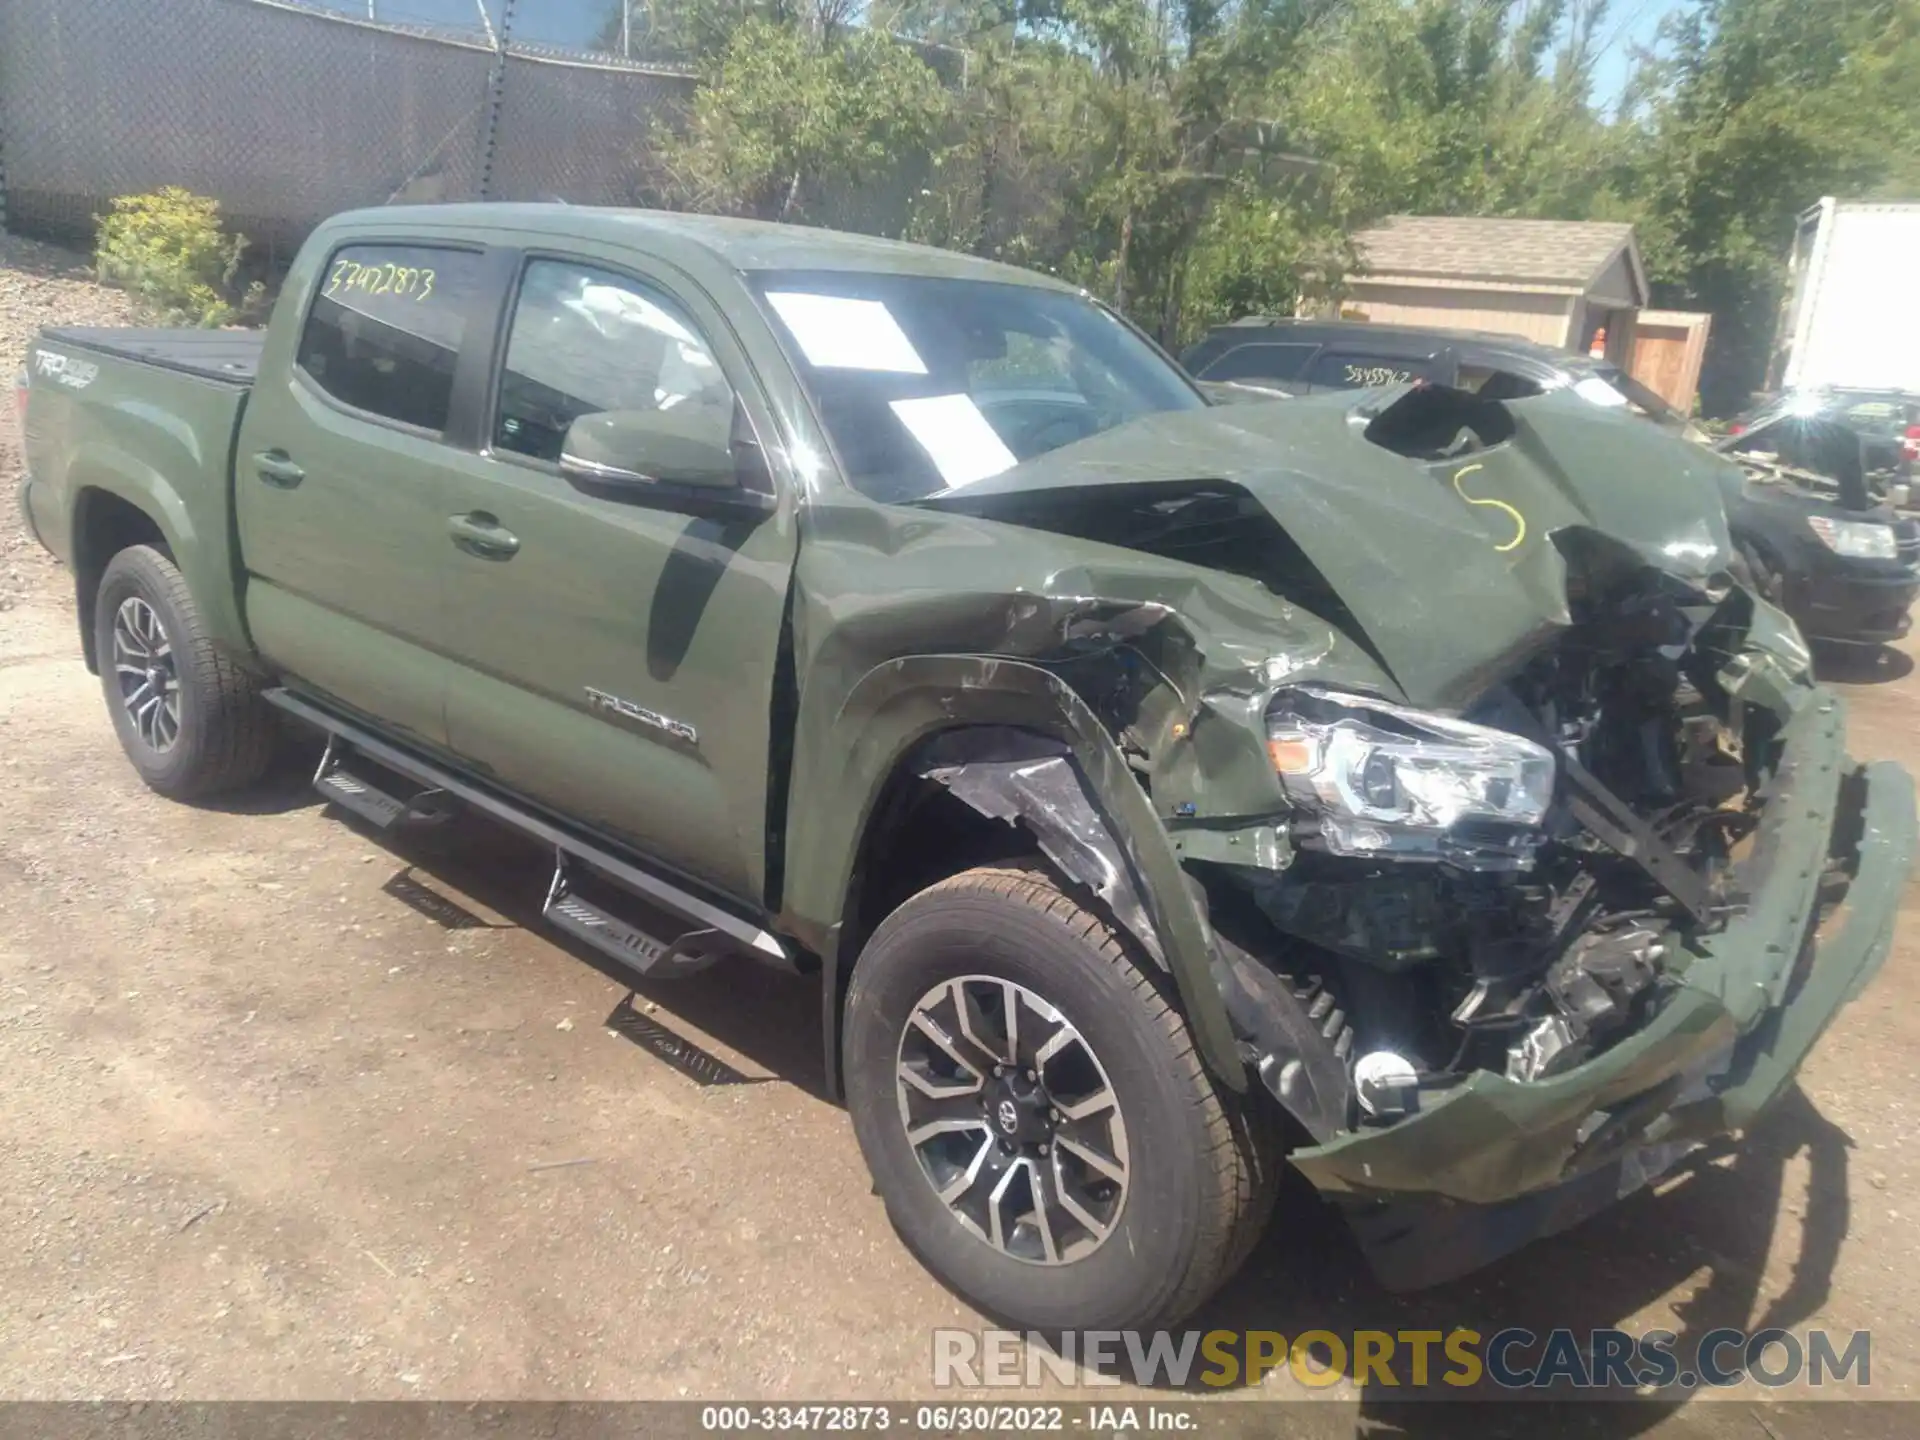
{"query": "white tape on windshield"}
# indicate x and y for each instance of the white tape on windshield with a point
(837, 333)
(956, 436)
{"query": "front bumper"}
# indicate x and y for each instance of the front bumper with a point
(1494, 1163)
(1858, 608)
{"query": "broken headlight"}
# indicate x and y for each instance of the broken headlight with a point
(1380, 779)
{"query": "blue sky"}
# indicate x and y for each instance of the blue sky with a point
(553, 22)
(1633, 22)
(574, 22)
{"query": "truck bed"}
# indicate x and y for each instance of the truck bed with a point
(228, 355)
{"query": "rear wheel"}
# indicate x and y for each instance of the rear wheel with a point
(189, 718)
(1036, 1116)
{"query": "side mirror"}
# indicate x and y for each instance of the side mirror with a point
(688, 446)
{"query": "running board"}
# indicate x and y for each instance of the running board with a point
(362, 794)
(584, 905)
(597, 896)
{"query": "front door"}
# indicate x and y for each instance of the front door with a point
(340, 478)
(613, 658)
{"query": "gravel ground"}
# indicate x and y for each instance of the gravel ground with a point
(288, 1112)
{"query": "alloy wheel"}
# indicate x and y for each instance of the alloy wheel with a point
(143, 664)
(1013, 1119)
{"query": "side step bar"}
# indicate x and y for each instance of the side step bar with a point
(596, 896)
(574, 906)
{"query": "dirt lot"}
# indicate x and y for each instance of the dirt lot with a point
(289, 1112)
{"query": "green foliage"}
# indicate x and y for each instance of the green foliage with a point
(788, 115)
(1198, 161)
(1760, 108)
(168, 250)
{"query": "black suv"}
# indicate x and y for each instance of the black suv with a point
(1301, 357)
(1814, 533)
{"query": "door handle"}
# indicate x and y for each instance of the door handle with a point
(276, 467)
(479, 533)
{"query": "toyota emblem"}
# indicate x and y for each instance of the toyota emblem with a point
(1009, 1116)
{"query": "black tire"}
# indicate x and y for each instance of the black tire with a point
(1204, 1171)
(225, 735)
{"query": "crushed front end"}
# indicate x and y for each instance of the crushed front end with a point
(1548, 945)
(1531, 854)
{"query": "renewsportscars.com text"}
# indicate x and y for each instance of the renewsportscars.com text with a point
(1509, 1359)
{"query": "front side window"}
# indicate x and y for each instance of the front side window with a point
(927, 384)
(385, 330)
(1262, 360)
(586, 340)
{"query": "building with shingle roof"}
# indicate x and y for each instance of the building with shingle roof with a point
(1560, 282)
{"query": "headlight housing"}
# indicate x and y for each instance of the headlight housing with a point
(1379, 778)
(1860, 539)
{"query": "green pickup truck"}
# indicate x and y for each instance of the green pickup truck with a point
(1394, 783)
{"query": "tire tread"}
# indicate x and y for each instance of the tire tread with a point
(239, 735)
(1242, 1143)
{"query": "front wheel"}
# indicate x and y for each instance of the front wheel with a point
(1035, 1114)
(189, 718)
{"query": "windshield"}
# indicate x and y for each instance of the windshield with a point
(928, 384)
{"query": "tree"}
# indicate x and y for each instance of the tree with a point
(1762, 107)
(788, 116)
(1195, 160)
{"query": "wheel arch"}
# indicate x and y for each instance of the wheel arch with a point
(119, 501)
(106, 522)
(967, 725)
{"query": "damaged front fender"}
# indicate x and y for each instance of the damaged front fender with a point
(1044, 791)
(902, 704)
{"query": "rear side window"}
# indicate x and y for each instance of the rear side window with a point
(1345, 370)
(1260, 362)
(386, 327)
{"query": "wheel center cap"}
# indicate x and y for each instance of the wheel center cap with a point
(1017, 1112)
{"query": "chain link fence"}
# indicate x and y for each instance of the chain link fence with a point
(287, 114)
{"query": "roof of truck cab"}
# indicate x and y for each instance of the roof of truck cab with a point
(693, 241)
(1410, 338)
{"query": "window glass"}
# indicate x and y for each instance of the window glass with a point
(385, 329)
(1344, 370)
(1490, 383)
(1260, 362)
(928, 383)
(586, 340)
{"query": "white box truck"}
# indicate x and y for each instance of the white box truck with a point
(1853, 320)
(1849, 341)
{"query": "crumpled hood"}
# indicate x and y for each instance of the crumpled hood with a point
(1448, 567)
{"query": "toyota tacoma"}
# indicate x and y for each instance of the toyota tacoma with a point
(1395, 784)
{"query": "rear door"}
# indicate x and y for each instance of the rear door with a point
(341, 470)
(615, 658)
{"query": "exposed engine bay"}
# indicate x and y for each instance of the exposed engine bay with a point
(1500, 877)
(1527, 944)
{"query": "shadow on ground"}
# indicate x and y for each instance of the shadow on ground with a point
(1861, 664)
(1705, 1235)
(769, 1018)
